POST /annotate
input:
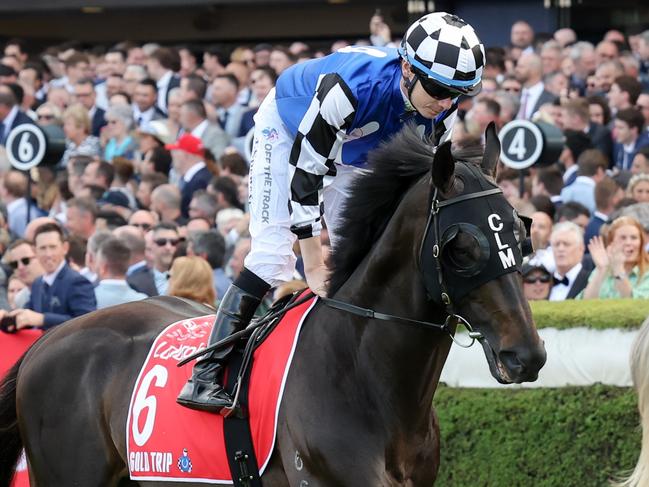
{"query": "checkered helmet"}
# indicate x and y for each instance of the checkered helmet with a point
(443, 47)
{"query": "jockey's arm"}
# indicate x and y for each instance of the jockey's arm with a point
(315, 270)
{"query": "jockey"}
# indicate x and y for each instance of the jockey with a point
(312, 134)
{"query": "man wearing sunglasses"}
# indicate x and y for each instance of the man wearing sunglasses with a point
(312, 134)
(21, 259)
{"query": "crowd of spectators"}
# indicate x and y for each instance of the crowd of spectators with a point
(150, 195)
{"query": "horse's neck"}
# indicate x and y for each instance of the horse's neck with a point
(404, 360)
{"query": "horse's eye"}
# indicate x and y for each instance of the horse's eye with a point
(463, 251)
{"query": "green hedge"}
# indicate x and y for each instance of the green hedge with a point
(564, 437)
(599, 314)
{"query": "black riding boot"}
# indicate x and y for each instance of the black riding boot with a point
(204, 390)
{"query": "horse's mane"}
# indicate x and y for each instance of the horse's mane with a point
(393, 167)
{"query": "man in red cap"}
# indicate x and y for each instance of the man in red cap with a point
(188, 154)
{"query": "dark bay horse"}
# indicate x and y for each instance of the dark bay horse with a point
(358, 403)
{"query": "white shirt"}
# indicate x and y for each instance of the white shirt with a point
(572, 169)
(199, 130)
(191, 172)
(9, 120)
(142, 118)
(49, 278)
(163, 88)
(560, 291)
(529, 97)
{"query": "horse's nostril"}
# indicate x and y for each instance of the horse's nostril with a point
(511, 361)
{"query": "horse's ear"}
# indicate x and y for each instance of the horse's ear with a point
(443, 168)
(491, 150)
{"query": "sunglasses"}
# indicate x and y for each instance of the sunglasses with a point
(534, 280)
(46, 117)
(511, 88)
(436, 90)
(161, 242)
(143, 226)
(24, 261)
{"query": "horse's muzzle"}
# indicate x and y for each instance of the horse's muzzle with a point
(522, 364)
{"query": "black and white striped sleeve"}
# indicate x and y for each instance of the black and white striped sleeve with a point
(320, 135)
(443, 129)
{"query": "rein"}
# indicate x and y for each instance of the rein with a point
(452, 318)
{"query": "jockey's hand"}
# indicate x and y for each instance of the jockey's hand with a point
(315, 269)
(317, 280)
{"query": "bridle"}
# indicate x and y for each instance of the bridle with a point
(450, 322)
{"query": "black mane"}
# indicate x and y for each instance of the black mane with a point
(393, 167)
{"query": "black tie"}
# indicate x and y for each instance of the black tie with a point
(563, 281)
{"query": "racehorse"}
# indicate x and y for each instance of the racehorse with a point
(358, 403)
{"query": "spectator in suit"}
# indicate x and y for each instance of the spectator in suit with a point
(203, 205)
(165, 201)
(191, 278)
(192, 87)
(540, 233)
(81, 214)
(641, 161)
(624, 93)
(225, 89)
(551, 56)
(133, 238)
(21, 259)
(165, 242)
(145, 109)
(576, 117)
(607, 195)
(142, 279)
(573, 212)
(89, 270)
(10, 114)
(628, 132)
(214, 62)
(13, 192)
(133, 74)
(242, 72)
(529, 72)
(599, 111)
(548, 181)
(210, 245)
(576, 143)
(112, 264)
(193, 120)
(522, 36)
(621, 262)
(84, 93)
(61, 293)
(582, 55)
(98, 173)
(570, 276)
(592, 169)
(188, 160)
(162, 65)
(606, 74)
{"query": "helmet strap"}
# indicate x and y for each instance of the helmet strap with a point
(410, 84)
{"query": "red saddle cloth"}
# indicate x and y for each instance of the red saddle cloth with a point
(12, 347)
(168, 442)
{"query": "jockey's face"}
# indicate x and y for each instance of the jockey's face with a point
(426, 105)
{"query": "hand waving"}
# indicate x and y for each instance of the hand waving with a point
(599, 253)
